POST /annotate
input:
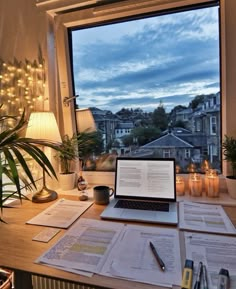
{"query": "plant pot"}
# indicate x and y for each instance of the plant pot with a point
(67, 181)
(231, 185)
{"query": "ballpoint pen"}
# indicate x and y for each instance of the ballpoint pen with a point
(157, 257)
(204, 274)
(199, 274)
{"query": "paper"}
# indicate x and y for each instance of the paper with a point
(117, 250)
(85, 246)
(133, 259)
(203, 217)
(215, 252)
(46, 235)
(61, 214)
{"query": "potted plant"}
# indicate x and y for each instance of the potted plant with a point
(68, 153)
(229, 152)
(79, 146)
(14, 152)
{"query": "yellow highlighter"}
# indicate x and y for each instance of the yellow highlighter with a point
(187, 275)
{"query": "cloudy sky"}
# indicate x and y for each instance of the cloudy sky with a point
(138, 63)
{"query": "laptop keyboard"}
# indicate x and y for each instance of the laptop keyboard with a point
(142, 205)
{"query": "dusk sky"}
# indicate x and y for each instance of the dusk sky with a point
(138, 63)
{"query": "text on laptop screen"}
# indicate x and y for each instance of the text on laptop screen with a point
(150, 178)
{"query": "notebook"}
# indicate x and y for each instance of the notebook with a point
(148, 182)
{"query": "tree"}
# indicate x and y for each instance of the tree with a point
(145, 135)
(160, 117)
(196, 101)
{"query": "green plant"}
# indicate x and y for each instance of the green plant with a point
(79, 146)
(15, 150)
(229, 152)
(68, 153)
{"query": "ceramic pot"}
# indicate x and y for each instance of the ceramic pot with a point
(231, 185)
(67, 181)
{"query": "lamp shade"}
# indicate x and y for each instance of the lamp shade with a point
(85, 120)
(43, 125)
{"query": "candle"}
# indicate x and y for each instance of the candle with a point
(180, 185)
(212, 184)
(195, 185)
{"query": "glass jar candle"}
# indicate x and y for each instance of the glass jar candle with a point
(180, 186)
(212, 183)
(195, 185)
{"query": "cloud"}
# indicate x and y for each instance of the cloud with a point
(137, 63)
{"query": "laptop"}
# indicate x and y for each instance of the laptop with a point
(145, 191)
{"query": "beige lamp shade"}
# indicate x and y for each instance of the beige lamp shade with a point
(85, 120)
(43, 125)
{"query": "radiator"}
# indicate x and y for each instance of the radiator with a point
(48, 283)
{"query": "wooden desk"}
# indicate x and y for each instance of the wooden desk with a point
(18, 251)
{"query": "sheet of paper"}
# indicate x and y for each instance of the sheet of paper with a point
(133, 259)
(61, 214)
(46, 235)
(216, 252)
(85, 246)
(203, 217)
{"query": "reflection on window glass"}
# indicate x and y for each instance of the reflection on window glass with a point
(153, 88)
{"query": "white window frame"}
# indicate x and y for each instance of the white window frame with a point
(166, 153)
(187, 153)
(213, 123)
(62, 21)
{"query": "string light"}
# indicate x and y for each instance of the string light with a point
(22, 86)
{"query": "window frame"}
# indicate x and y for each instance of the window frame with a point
(90, 16)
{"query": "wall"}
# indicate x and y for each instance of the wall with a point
(22, 30)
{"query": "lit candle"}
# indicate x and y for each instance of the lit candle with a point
(180, 185)
(212, 183)
(195, 185)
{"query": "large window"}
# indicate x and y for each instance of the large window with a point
(148, 82)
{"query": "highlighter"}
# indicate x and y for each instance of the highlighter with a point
(187, 275)
(223, 280)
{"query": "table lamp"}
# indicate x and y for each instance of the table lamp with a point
(43, 126)
(85, 123)
(85, 120)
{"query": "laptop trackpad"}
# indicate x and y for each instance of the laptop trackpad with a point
(135, 214)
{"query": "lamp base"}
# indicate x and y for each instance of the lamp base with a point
(44, 195)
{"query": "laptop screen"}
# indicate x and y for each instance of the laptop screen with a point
(145, 178)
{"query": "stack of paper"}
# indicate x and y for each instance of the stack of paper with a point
(117, 250)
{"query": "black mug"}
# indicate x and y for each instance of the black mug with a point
(102, 194)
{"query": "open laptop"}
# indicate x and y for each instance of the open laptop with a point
(145, 191)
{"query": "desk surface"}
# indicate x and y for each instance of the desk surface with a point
(18, 251)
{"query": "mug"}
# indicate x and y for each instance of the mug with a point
(102, 194)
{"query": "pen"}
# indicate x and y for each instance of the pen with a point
(157, 257)
(204, 274)
(199, 273)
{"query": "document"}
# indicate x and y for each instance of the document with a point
(118, 250)
(61, 214)
(204, 217)
(214, 251)
(85, 246)
(133, 259)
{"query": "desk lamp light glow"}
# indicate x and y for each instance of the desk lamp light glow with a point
(43, 126)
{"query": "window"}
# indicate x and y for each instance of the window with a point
(166, 153)
(213, 125)
(187, 153)
(153, 72)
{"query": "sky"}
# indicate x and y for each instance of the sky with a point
(137, 64)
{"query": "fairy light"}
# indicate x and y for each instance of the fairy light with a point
(22, 86)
